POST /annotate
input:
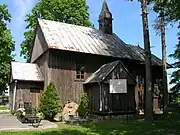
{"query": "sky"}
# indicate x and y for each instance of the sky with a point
(127, 23)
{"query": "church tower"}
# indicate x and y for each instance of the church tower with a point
(105, 19)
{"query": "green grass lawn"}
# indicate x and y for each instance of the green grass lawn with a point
(2, 107)
(113, 127)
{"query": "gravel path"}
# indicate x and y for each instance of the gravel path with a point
(9, 122)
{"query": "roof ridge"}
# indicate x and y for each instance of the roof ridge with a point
(23, 62)
(41, 20)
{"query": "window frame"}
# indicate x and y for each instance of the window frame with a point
(80, 74)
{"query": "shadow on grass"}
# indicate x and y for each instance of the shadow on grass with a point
(114, 127)
(123, 127)
(63, 132)
(137, 127)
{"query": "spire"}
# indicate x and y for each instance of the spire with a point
(105, 11)
(105, 19)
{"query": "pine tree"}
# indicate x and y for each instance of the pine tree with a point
(148, 78)
(83, 107)
(50, 102)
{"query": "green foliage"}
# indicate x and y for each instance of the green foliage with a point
(168, 126)
(83, 106)
(2, 107)
(170, 10)
(34, 110)
(69, 11)
(173, 15)
(50, 102)
(6, 47)
(176, 74)
(13, 112)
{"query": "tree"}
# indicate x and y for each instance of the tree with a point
(163, 42)
(50, 102)
(169, 9)
(6, 47)
(68, 11)
(83, 106)
(148, 78)
(160, 27)
(148, 68)
(176, 74)
(172, 14)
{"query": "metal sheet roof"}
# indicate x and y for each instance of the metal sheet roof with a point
(84, 39)
(71, 37)
(25, 71)
(140, 52)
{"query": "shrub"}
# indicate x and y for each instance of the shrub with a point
(49, 102)
(13, 112)
(83, 106)
(34, 110)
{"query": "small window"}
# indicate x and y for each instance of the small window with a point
(79, 72)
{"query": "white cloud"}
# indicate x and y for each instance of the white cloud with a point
(22, 8)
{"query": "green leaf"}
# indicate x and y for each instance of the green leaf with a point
(69, 11)
(7, 45)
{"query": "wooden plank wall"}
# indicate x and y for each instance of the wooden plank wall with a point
(28, 92)
(11, 91)
(62, 71)
(42, 62)
(118, 103)
(40, 45)
(93, 91)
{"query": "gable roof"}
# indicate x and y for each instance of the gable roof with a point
(70, 37)
(25, 72)
(82, 39)
(101, 74)
(140, 52)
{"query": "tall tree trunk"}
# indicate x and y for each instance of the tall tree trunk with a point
(148, 78)
(163, 42)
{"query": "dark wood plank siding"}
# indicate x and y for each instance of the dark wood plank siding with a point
(103, 102)
(118, 103)
(59, 66)
(42, 62)
(11, 90)
(28, 92)
(120, 73)
(93, 91)
(40, 45)
(62, 71)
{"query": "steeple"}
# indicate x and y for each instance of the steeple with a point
(105, 19)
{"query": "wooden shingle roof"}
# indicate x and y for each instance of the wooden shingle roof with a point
(102, 73)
